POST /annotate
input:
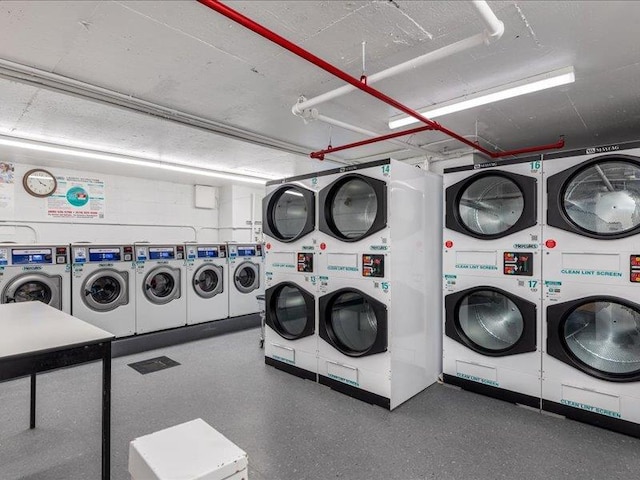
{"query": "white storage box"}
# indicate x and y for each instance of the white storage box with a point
(189, 451)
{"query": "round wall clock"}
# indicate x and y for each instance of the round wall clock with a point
(39, 182)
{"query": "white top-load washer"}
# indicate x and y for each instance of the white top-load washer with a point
(36, 273)
(246, 277)
(591, 246)
(492, 278)
(160, 287)
(103, 287)
(379, 269)
(207, 282)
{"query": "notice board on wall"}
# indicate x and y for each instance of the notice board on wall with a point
(77, 197)
(7, 190)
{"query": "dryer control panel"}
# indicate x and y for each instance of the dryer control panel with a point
(518, 263)
(635, 269)
(372, 265)
(305, 262)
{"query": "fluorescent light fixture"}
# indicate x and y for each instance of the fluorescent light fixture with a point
(111, 157)
(552, 79)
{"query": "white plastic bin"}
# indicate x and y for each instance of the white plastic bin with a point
(189, 451)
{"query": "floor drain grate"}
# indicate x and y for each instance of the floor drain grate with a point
(153, 365)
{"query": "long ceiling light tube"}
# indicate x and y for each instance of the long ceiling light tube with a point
(536, 83)
(299, 51)
(122, 159)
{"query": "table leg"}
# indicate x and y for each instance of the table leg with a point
(106, 412)
(32, 416)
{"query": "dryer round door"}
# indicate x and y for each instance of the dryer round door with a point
(599, 198)
(353, 207)
(247, 277)
(105, 290)
(491, 321)
(352, 322)
(491, 204)
(289, 213)
(290, 311)
(598, 335)
(32, 287)
(161, 285)
(207, 281)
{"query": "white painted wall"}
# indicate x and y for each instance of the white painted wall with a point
(240, 217)
(136, 209)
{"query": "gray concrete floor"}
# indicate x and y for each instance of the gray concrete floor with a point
(292, 428)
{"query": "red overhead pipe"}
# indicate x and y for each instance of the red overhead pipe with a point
(310, 57)
(321, 153)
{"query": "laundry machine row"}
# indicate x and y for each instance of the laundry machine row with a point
(124, 289)
(352, 273)
(541, 283)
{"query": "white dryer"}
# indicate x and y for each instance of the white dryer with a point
(246, 271)
(591, 361)
(208, 281)
(379, 305)
(103, 287)
(36, 273)
(160, 287)
(291, 342)
(492, 272)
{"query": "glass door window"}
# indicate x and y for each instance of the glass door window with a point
(605, 336)
(491, 205)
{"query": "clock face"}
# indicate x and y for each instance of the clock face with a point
(39, 183)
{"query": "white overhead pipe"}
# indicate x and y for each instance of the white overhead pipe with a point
(494, 30)
(312, 114)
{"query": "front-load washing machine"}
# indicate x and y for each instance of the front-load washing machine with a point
(160, 287)
(103, 287)
(208, 281)
(290, 333)
(36, 273)
(492, 269)
(246, 272)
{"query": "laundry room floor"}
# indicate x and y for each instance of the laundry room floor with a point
(293, 428)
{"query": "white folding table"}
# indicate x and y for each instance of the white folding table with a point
(36, 338)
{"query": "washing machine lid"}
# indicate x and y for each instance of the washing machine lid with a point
(599, 198)
(491, 204)
(105, 289)
(31, 287)
(246, 277)
(599, 335)
(491, 321)
(288, 213)
(208, 280)
(162, 285)
(290, 310)
(353, 322)
(353, 207)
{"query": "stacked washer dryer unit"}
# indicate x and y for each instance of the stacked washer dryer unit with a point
(207, 282)
(591, 365)
(491, 275)
(36, 273)
(246, 272)
(103, 287)
(379, 307)
(289, 220)
(160, 287)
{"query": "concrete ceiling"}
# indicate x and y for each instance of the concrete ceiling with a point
(182, 55)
